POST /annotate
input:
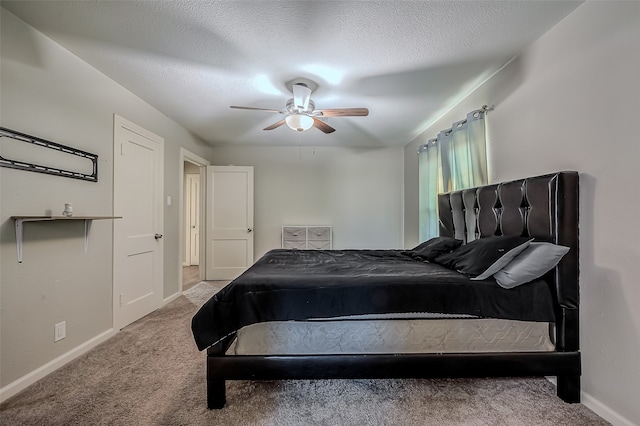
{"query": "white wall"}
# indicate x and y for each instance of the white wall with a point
(571, 102)
(357, 191)
(48, 92)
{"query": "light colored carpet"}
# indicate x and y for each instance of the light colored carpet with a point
(203, 291)
(152, 374)
(190, 276)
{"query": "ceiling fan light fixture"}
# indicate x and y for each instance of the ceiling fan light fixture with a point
(301, 96)
(299, 122)
(300, 112)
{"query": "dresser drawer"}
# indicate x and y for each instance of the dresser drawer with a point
(319, 245)
(291, 233)
(300, 245)
(319, 233)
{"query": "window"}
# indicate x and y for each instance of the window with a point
(455, 160)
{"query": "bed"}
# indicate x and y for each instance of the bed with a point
(330, 293)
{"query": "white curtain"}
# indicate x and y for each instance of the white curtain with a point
(455, 160)
(428, 171)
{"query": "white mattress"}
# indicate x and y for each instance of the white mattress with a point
(392, 336)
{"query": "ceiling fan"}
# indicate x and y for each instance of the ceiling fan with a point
(301, 113)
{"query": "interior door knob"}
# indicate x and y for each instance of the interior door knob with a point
(157, 236)
(249, 230)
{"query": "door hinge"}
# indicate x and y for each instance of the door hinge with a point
(121, 299)
(121, 148)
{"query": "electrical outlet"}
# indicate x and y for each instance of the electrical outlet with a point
(60, 331)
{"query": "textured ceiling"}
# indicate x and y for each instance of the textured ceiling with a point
(407, 61)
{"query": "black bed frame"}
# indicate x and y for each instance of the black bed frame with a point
(543, 207)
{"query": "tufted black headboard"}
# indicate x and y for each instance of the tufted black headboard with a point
(543, 207)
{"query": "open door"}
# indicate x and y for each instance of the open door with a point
(229, 221)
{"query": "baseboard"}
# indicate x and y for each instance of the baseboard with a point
(171, 298)
(28, 379)
(602, 410)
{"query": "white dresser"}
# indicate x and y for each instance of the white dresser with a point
(307, 237)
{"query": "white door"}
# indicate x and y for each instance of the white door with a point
(193, 218)
(138, 246)
(229, 221)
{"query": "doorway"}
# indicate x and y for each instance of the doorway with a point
(191, 211)
(191, 265)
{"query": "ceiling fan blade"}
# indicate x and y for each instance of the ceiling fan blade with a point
(343, 112)
(275, 125)
(301, 96)
(321, 125)
(256, 109)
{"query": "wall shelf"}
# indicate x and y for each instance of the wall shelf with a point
(20, 220)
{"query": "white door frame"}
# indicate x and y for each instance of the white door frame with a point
(186, 155)
(120, 320)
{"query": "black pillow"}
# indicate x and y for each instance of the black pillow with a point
(434, 247)
(474, 258)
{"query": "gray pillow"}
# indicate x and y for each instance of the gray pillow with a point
(535, 261)
(503, 261)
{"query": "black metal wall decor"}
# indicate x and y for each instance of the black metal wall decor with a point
(21, 165)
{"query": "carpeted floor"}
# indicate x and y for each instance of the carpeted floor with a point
(152, 374)
(190, 276)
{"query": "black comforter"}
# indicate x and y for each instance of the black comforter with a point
(304, 284)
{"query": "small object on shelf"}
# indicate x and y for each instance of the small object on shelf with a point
(68, 210)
